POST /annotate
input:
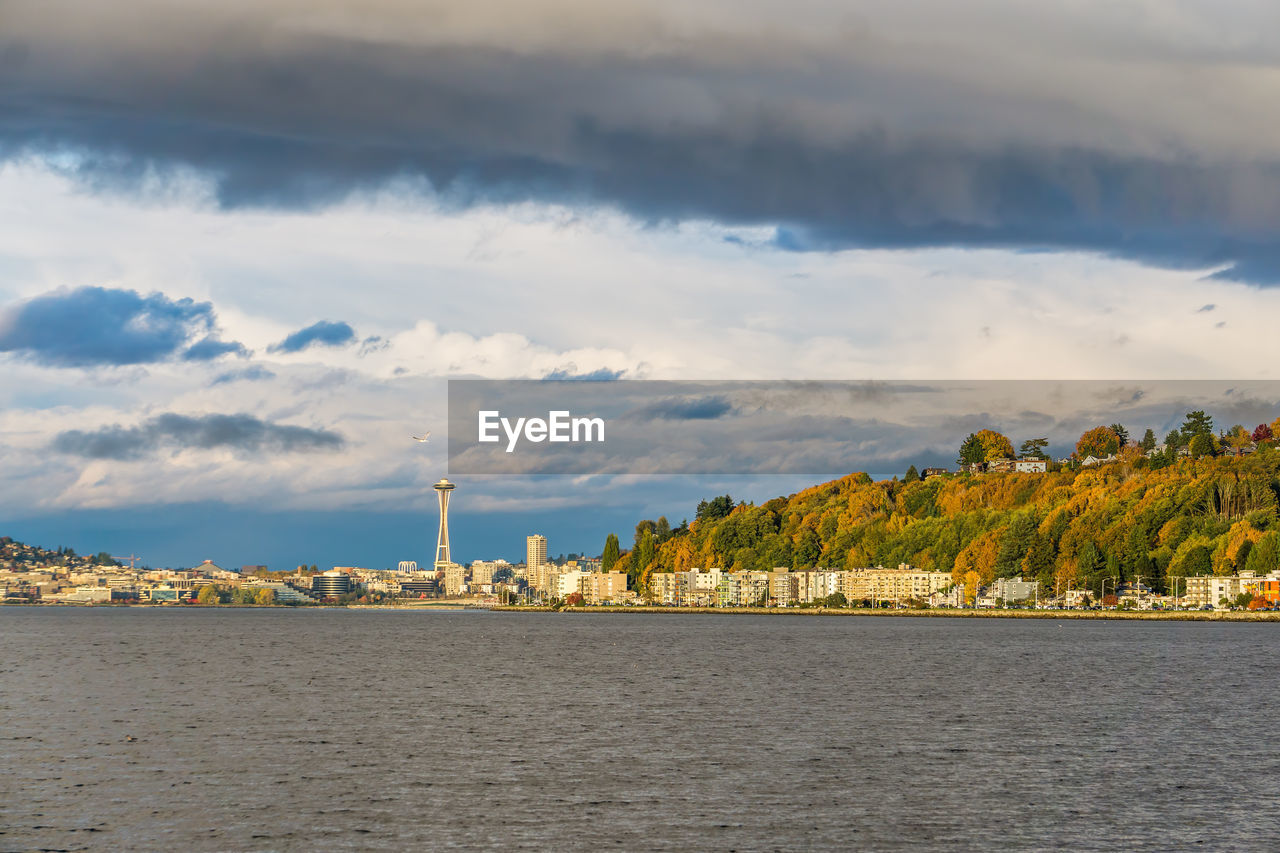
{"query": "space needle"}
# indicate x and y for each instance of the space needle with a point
(443, 488)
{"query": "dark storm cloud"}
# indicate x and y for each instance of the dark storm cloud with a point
(95, 326)
(242, 433)
(1091, 128)
(323, 333)
(211, 348)
(695, 409)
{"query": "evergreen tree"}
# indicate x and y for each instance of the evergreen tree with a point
(662, 530)
(1264, 557)
(717, 507)
(1121, 433)
(1148, 441)
(1033, 448)
(971, 451)
(912, 475)
(641, 557)
(612, 552)
(1197, 423)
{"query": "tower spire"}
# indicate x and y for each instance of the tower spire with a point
(443, 488)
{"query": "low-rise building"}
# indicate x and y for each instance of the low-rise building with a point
(1012, 590)
(603, 587)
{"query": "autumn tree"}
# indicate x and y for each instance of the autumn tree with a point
(265, 595)
(1239, 439)
(1099, 441)
(208, 594)
(994, 445)
(1262, 434)
(1202, 444)
(983, 446)
(978, 556)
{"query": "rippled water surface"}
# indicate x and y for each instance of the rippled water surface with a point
(306, 729)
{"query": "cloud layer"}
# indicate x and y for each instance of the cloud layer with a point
(95, 326)
(241, 433)
(1126, 128)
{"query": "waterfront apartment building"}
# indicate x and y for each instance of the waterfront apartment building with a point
(602, 587)
(662, 587)
(879, 584)
(1213, 590)
(743, 589)
(782, 587)
(562, 581)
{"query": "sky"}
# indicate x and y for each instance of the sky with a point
(246, 244)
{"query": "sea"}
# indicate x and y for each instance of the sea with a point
(347, 729)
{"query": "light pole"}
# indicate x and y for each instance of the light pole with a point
(1114, 581)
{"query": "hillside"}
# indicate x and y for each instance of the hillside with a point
(17, 555)
(1123, 520)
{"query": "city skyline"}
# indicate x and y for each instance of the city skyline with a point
(199, 327)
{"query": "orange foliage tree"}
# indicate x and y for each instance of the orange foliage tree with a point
(1099, 441)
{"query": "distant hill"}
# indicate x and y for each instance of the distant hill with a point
(15, 555)
(1121, 520)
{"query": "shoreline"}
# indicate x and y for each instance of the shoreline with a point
(1130, 615)
(1111, 615)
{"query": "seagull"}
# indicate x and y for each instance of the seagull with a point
(422, 437)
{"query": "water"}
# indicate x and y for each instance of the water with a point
(304, 730)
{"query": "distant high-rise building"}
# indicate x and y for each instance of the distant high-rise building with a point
(535, 550)
(443, 488)
(536, 562)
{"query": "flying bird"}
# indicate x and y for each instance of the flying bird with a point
(422, 437)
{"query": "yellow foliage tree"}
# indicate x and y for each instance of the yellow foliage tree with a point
(994, 445)
(978, 556)
(1099, 441)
